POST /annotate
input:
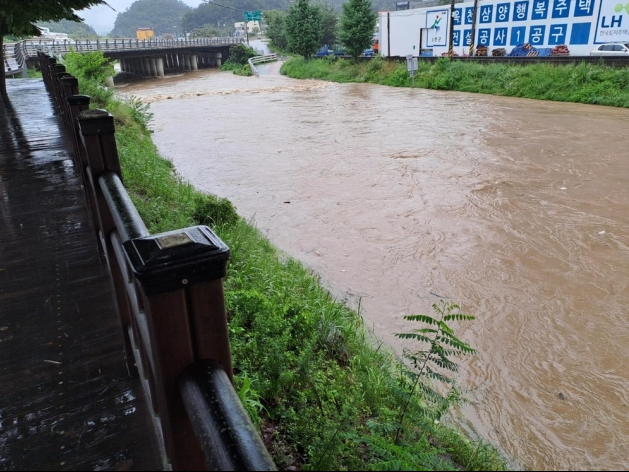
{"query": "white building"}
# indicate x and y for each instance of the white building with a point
(240, 27)
(47, 34)
(579, 24)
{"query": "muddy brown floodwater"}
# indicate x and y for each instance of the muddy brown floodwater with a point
(517, 209)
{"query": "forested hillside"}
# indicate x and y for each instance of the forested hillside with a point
(210, 14)
(164, 16)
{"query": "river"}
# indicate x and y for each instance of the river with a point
(515, 208)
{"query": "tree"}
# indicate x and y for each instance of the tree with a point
(303, 28)
(329, 24)
(357, 25)
(209, 12)
(276, 29)
(210, 31)
(19, 18)
(164, 16)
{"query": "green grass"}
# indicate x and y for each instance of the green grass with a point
(324, 395)
(34, 74)
(579, 83)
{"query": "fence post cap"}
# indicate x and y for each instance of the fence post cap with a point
(176, 259)
(69, 80)
(77, 100)
(96, 121)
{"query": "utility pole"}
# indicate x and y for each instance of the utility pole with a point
(389, 35)
(451, 33)
(473, 28)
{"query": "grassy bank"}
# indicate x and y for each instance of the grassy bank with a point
(324, 396)
(578, 83)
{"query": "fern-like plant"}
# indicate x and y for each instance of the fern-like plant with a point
(433, 361)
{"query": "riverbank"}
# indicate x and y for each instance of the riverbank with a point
(307, 370)
(577, 83)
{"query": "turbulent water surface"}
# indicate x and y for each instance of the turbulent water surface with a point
(515, 208)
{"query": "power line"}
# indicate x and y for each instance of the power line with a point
(225, 6)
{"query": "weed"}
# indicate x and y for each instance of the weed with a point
(579, 82)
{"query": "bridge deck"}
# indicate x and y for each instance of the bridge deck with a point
(66, 402)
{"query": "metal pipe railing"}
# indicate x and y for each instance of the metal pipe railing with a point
(217, 415)
(259, 60)
(30, 47)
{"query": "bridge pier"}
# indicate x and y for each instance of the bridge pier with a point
(193, 62)
(146, 65)
(159, 62)
(215, 59)
(153, 67)
(173, 61)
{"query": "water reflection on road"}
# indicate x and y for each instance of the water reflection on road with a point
(515, 208)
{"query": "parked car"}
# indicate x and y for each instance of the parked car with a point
(611, 49)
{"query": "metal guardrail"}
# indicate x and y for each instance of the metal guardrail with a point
(30, 47)
(259, 60)
(13, 59)
(169, 295)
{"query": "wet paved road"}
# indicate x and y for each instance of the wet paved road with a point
(66, 401)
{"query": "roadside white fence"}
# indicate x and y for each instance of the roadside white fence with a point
(259, 60)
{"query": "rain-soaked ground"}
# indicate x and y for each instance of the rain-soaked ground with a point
(516, 209)
(66, 400)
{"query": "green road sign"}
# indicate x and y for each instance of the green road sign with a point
(253, 15)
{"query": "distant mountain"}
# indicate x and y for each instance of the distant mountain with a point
(164, 16)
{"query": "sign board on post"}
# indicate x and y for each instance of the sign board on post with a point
(255, 15)
(411, 66)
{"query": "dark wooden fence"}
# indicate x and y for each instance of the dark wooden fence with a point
(14, 60)
(169, 294)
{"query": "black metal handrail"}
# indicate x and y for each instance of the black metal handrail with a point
(229, 440)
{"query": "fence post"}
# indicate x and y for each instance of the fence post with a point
(78, 104)
(54, 84)
(98, 136)
(180, 275)
(68, 86)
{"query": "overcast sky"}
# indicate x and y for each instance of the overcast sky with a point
(102, 18)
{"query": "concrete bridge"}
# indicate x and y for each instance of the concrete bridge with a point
(150, 57)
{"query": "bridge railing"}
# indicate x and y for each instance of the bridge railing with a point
(169, 294)
(13, 59)
(259, 60)
(30, 47)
